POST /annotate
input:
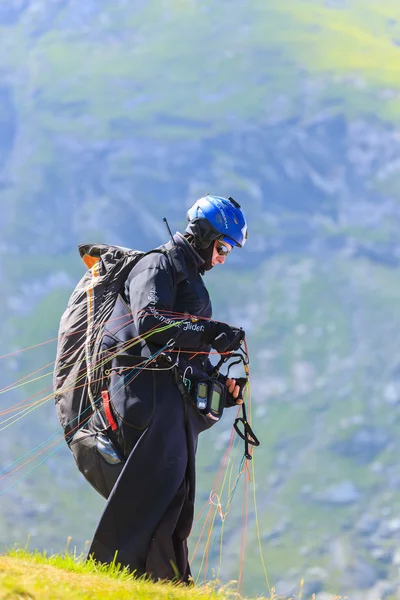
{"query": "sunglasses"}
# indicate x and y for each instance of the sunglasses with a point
(222, 249)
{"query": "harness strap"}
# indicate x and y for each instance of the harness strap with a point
(247, 435)
(107, 410)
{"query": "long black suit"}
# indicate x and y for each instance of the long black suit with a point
(149, 514)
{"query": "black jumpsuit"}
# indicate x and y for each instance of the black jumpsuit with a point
(149, 514)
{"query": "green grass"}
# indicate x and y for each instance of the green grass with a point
(36, 575)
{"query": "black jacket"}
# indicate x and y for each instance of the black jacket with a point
(149, 513)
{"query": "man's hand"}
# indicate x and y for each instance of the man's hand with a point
(225, 338)
(235, 389)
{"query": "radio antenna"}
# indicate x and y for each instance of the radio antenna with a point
(169, 230)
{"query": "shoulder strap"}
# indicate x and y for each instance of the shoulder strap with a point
(178, 263)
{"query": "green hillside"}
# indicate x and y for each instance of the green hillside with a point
(197, 69)
(114, 115)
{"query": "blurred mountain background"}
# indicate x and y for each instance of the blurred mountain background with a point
(116, 114)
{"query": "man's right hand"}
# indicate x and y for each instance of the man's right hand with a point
(235, 391)
(226, 338)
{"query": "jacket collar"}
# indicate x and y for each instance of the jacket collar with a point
(193, 260)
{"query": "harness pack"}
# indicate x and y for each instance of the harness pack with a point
(79, 380)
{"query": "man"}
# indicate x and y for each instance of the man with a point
(149, 513)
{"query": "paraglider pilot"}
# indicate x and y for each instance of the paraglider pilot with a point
(149, 513)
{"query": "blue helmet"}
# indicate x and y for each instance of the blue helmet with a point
(214, 217)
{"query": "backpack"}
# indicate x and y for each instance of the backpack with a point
(79, 373)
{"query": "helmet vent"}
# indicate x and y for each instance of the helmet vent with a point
(234, 202)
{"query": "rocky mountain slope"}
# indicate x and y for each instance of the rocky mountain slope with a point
(112, 117)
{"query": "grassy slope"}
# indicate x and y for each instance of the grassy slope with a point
(149, 66)
(61, 577)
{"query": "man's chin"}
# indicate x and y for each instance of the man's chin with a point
(208, 267)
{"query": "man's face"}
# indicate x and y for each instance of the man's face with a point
(220, 252)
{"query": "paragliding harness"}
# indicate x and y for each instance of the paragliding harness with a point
(208, 395)
(80, 380)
